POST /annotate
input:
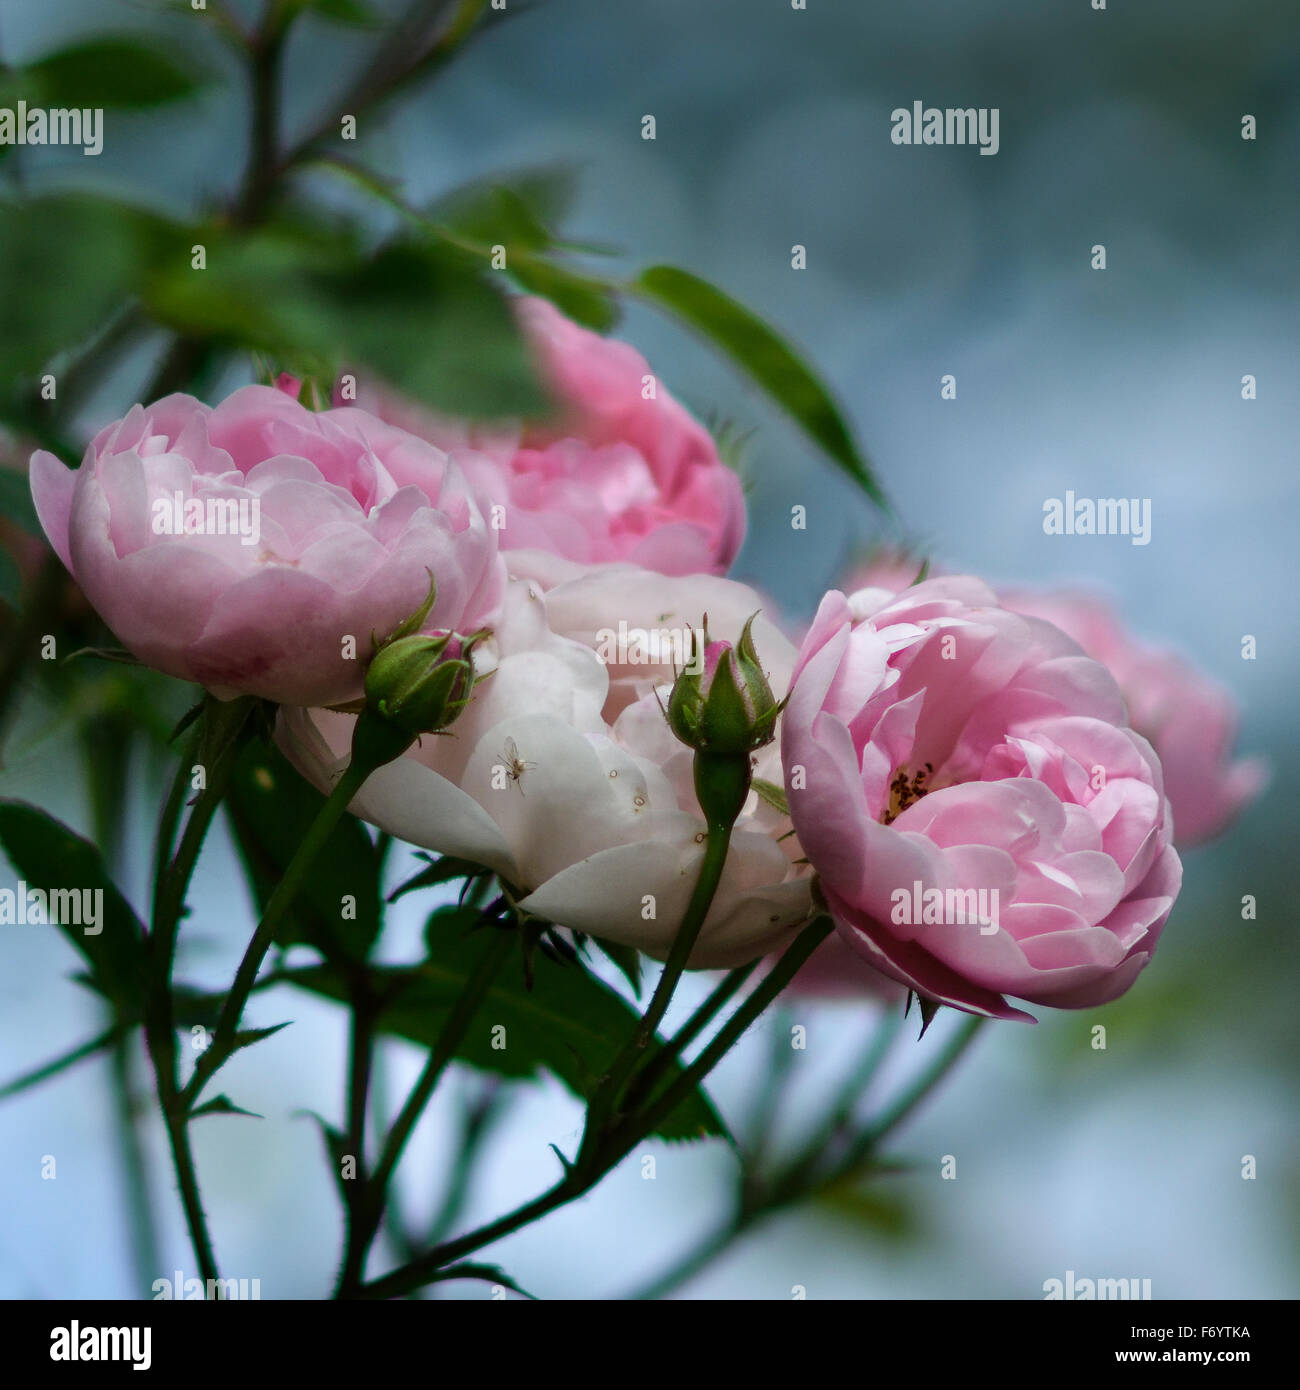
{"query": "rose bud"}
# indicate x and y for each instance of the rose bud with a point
(724, 712)
(420, 684)
(728, 707)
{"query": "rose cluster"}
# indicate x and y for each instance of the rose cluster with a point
(983, 796)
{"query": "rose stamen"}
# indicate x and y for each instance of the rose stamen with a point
(905, 791)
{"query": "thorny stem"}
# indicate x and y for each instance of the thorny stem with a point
(371, 1207)
(224, 1038)
(579, 1180)
(793, 1184)
(605, 1104)
(220, 730)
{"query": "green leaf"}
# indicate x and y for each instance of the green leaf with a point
(767, 358)
(49, 856)
(570, 1024)
(472, 222)
(16, 501)
(193, 1008)
(78, 259)
(248, 1036)
(60, 1064)
(877, 1212)
(435, 329)
(336, 1149)
(420, 315)
(351, 12)
(494, 214)
(773, 794)
(258, 291)
(519, 209)
(583, 297)
(222, 1105)
(109, 71)
(626, 958)
(517, 213)
(271, 808)
(447, 869)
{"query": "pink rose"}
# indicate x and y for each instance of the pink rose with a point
(981, 818)
(621, 474)
(240, 547)
(1190, 720)
(836, 971)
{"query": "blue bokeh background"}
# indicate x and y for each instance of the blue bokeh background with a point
(1120, 127)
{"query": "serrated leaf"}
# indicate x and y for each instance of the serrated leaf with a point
(492, 214)
(766, 357)
(222, 1105)
(49, 856)
(271, 808)
(570, 1023)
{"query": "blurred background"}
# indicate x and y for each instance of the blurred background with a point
(1119, 127)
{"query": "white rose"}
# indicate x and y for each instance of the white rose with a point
(594, 825)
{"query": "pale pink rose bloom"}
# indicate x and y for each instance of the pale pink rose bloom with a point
(644, 630)
(346, 516)
(620, 474)
(886, 568)
(1189, 718)
(836, 971)
(595, 824)
(936, 741)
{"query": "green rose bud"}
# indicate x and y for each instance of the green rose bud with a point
(724, 711)
(416, 683)
(727, 707)
(420, 684)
